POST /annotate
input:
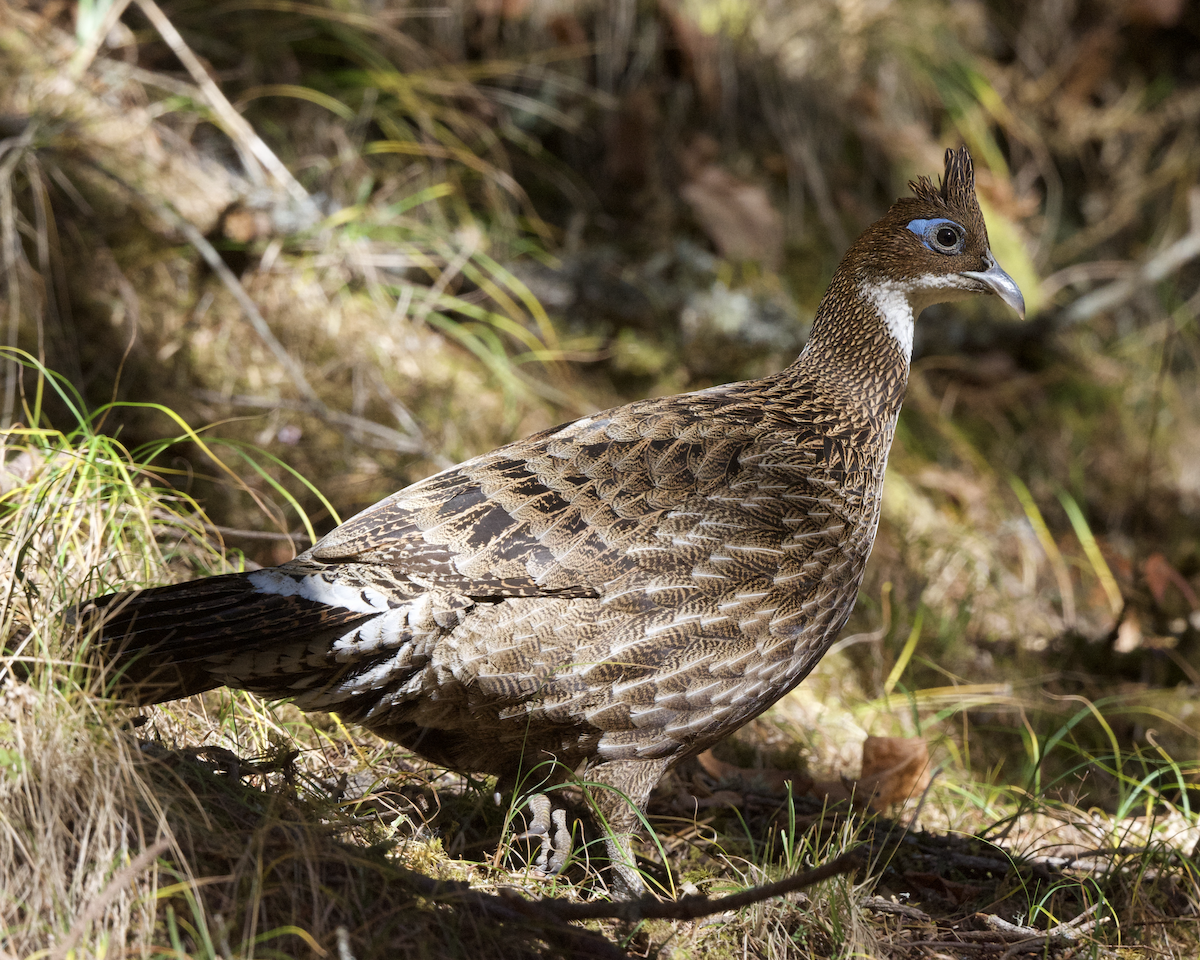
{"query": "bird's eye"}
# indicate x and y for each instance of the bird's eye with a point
(940, 235)
(946, 237)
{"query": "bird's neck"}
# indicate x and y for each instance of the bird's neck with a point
(859, 349)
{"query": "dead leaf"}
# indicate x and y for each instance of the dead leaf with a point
(737, 216)
(1160, 574)
(893, 769)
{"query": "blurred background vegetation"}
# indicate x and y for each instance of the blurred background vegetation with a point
(360, 240)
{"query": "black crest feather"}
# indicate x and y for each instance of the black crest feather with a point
(957, 188)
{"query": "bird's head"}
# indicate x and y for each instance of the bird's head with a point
(929, 248)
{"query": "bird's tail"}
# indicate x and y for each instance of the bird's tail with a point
(169, 642)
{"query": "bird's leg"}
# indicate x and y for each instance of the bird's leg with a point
(549, 825)
(619, 790)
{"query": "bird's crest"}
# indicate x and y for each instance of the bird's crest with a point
(957, 188)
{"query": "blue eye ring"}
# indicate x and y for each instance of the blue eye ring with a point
(935, 234)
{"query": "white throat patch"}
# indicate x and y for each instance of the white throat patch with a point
(899, 304)
(892, 301)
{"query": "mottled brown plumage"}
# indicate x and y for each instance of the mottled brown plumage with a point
(615, 594)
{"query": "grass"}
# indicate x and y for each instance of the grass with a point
(223, 826)
(112, 840)
(77, 514)
(393, 240)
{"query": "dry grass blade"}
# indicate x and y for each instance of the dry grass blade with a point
(73, 508)
(96, 908)
(242, 134)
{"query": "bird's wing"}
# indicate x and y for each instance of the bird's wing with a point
(556, 513)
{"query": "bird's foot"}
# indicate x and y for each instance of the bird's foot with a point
(549, 825)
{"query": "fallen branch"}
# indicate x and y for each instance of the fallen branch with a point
(689, 908)
(1029, 940)
(553, 915)
(880, 905)
(1161, 265)
(1012, 938)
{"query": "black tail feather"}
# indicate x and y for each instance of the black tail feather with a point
(169, 642)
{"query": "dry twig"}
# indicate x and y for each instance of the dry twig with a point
(1158, 267)
(690, 908)
(249, 143)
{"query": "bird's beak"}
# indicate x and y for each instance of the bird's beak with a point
(1001, 284)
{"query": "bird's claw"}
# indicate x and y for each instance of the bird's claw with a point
(549, 825)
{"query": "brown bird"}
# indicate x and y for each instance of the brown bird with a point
(613, 595)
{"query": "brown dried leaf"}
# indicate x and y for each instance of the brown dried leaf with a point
(893, 769)
(737, 216)
(1160, 574)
